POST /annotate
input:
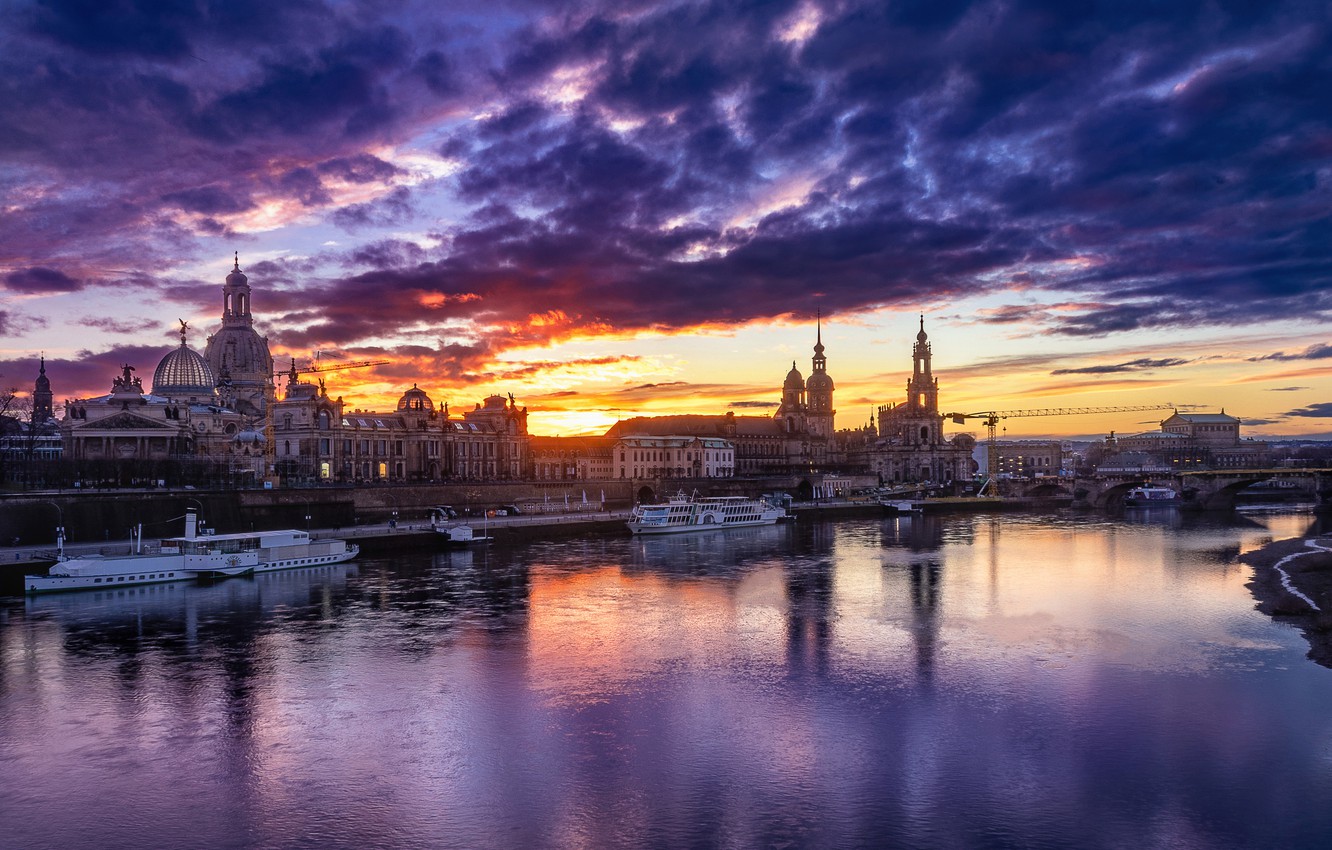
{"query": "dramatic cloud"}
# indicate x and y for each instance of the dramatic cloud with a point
(35, 280)
(1322, 410)
(1313, 352)
(1131, 366)
(510, 175)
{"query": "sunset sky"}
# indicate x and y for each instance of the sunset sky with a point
(623, 208)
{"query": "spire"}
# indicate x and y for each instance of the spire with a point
(818, 332)
(236, 268)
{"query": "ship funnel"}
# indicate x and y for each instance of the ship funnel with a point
(191, 524)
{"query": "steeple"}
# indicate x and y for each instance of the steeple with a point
(819, 388)
(236, 297)
(923, 388)
(43, 407)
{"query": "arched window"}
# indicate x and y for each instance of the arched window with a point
(924, 433)
(323, 420)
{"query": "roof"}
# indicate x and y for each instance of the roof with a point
(1206, 418)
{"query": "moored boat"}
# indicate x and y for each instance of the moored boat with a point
(462, 535)
(692, 513)
(1151, 497)
(194, 556)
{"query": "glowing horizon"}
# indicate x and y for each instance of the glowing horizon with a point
(614, 213)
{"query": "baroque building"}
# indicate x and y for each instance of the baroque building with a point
(317, 440)
(238, 357)
(209, 411)
(797, 438)
(1188, 440)
(909, 445)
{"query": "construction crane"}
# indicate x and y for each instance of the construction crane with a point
(992, 418)
(291, 373)
(270, 398)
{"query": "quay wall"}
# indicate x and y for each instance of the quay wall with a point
(102, 515)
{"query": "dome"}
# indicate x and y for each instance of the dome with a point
(921, 337)
(794, 380)
(237, 277)
(183, 372)
(249, 437)
(819, 381)
(416, 399)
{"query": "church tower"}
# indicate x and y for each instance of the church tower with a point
(923, 388)
(791, 412)
(42, 408)
(819, 390)
(237, 351)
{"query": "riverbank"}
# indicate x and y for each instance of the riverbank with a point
(1292, 583)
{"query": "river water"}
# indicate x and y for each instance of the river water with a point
(970, 681)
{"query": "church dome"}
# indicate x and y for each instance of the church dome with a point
(249, 437)
(819, 381)
(183, 372)
(416, 399)
(794, 380)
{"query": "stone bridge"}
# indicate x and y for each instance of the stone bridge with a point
(1203, 490)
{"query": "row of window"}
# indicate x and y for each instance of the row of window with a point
(131, 578)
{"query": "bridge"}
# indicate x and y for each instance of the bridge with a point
(1202, 490)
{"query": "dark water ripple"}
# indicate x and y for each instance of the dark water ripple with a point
(967, 682)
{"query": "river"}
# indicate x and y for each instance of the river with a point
(955, 682)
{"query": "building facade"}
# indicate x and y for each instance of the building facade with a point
(910, 446)
(1189, 441)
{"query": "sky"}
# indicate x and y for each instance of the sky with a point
(623, 208)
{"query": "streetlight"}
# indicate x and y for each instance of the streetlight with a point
(60, 531)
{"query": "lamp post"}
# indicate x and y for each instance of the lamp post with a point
(60, 531)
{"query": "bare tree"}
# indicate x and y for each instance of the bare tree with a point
(10, 427)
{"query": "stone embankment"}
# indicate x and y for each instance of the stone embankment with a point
(1292, 581)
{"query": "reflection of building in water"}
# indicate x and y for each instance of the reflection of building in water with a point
(924, 588)
(808, 608)
(808, 583)
(917, 532)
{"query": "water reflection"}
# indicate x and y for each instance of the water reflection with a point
(912, 681)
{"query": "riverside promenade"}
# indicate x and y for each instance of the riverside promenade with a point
(19, 560)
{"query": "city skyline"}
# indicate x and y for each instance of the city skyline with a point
(614, 210)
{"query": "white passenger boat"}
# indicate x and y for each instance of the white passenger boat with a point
(1151, 497)
(193, 556)
(692, 513)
